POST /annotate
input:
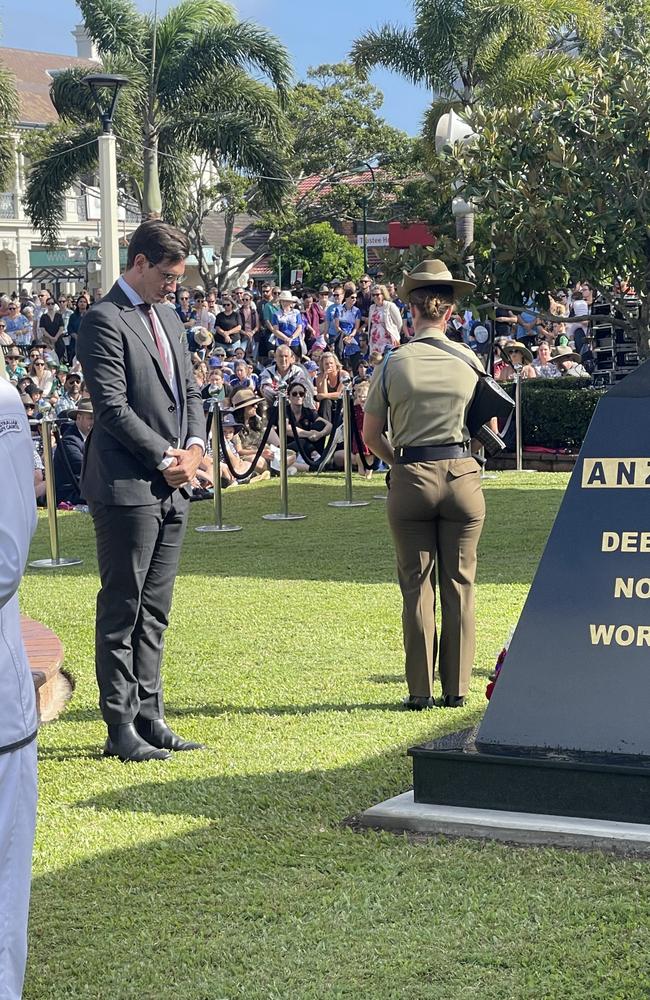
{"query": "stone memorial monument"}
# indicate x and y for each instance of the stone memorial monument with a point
(567, 731)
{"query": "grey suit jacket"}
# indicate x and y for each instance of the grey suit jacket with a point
(136, 417)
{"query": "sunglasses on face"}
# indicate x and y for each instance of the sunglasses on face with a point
(298, 395)
(39, 364)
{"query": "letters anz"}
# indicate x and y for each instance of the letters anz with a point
(616, 473)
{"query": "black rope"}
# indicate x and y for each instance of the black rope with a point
(356, 434)
(254, 461)
(299, 445)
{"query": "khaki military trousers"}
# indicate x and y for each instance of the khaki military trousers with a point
(436, 512)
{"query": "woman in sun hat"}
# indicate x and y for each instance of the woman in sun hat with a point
(435, 501)
(287, 325)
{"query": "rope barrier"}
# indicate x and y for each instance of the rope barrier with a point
(347, 454)
(361, 444)
(310, 463)
(251, 468)
(215, 427)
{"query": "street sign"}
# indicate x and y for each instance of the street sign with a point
(374, 240)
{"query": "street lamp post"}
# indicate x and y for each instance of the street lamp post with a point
(364, 218)
(105, 89)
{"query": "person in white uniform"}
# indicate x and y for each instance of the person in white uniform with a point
(18, 718)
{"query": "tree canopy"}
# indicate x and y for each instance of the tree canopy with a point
(196, 86)
(320, 252)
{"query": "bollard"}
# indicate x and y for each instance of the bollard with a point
(347, 454)
(284, 514)
(519, 450)
(56, 560)
(215, 430)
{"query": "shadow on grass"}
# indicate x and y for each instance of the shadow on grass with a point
(159, 918)
(349, 546)
(213, 711)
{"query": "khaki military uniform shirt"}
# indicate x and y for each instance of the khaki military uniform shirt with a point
(427, 391)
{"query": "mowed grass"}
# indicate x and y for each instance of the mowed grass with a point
(229, 873)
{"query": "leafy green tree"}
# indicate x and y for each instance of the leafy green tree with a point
(565, 192)
(470, 51)
(190, 92)
(320, 252)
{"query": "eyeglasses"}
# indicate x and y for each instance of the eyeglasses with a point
(63, 300)
(185, 298)
(51, 302)
(167, 276)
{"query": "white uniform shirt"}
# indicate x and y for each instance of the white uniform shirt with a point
(18, 723)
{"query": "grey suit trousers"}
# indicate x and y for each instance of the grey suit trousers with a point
(138, 549)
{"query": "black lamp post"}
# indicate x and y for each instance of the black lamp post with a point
(105, 89)
(364, 207)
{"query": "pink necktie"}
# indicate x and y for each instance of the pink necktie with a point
(146, 309)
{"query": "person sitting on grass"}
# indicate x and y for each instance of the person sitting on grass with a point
(310, 427)
(251, 410)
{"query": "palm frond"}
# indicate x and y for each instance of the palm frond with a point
(177, 30)
(238, 93)
(72, 98)
(392, 48)
(251, 151)
(225, 47)
(114, 25)
(9, 104)
(50, 177)
(175, 170)
(530, 76)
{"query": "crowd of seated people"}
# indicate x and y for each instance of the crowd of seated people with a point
(247, 343)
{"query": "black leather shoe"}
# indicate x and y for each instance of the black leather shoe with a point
(124, 742)
(453, 701)
(157, 733)
(414, 704)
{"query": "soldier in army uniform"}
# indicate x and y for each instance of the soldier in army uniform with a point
(435, 503)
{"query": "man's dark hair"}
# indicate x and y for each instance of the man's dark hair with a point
(157, 240)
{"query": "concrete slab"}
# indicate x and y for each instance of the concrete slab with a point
(402, 813)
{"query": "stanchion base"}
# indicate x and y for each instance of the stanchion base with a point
(348, 503)
(380, 496)
(55, 563)
(283, 517)
(219, 527)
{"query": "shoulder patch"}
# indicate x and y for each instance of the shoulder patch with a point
(8, 424)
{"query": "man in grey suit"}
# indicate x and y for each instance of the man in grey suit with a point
(144, 449)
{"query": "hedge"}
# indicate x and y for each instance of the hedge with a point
(556, 412)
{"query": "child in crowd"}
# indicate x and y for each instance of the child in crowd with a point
(359, 396)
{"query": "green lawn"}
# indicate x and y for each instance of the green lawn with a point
(228, 873)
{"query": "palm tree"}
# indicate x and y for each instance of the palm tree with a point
(9, 109)
(489, 51)
(190, 93)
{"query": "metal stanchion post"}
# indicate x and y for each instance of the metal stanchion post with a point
(50, 493)
(215, 428)
(347, 454)
(484, 474)
(284, 514)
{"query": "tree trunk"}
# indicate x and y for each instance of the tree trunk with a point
(151, 199)
(226, 250)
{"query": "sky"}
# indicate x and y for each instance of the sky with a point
(313, 34)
